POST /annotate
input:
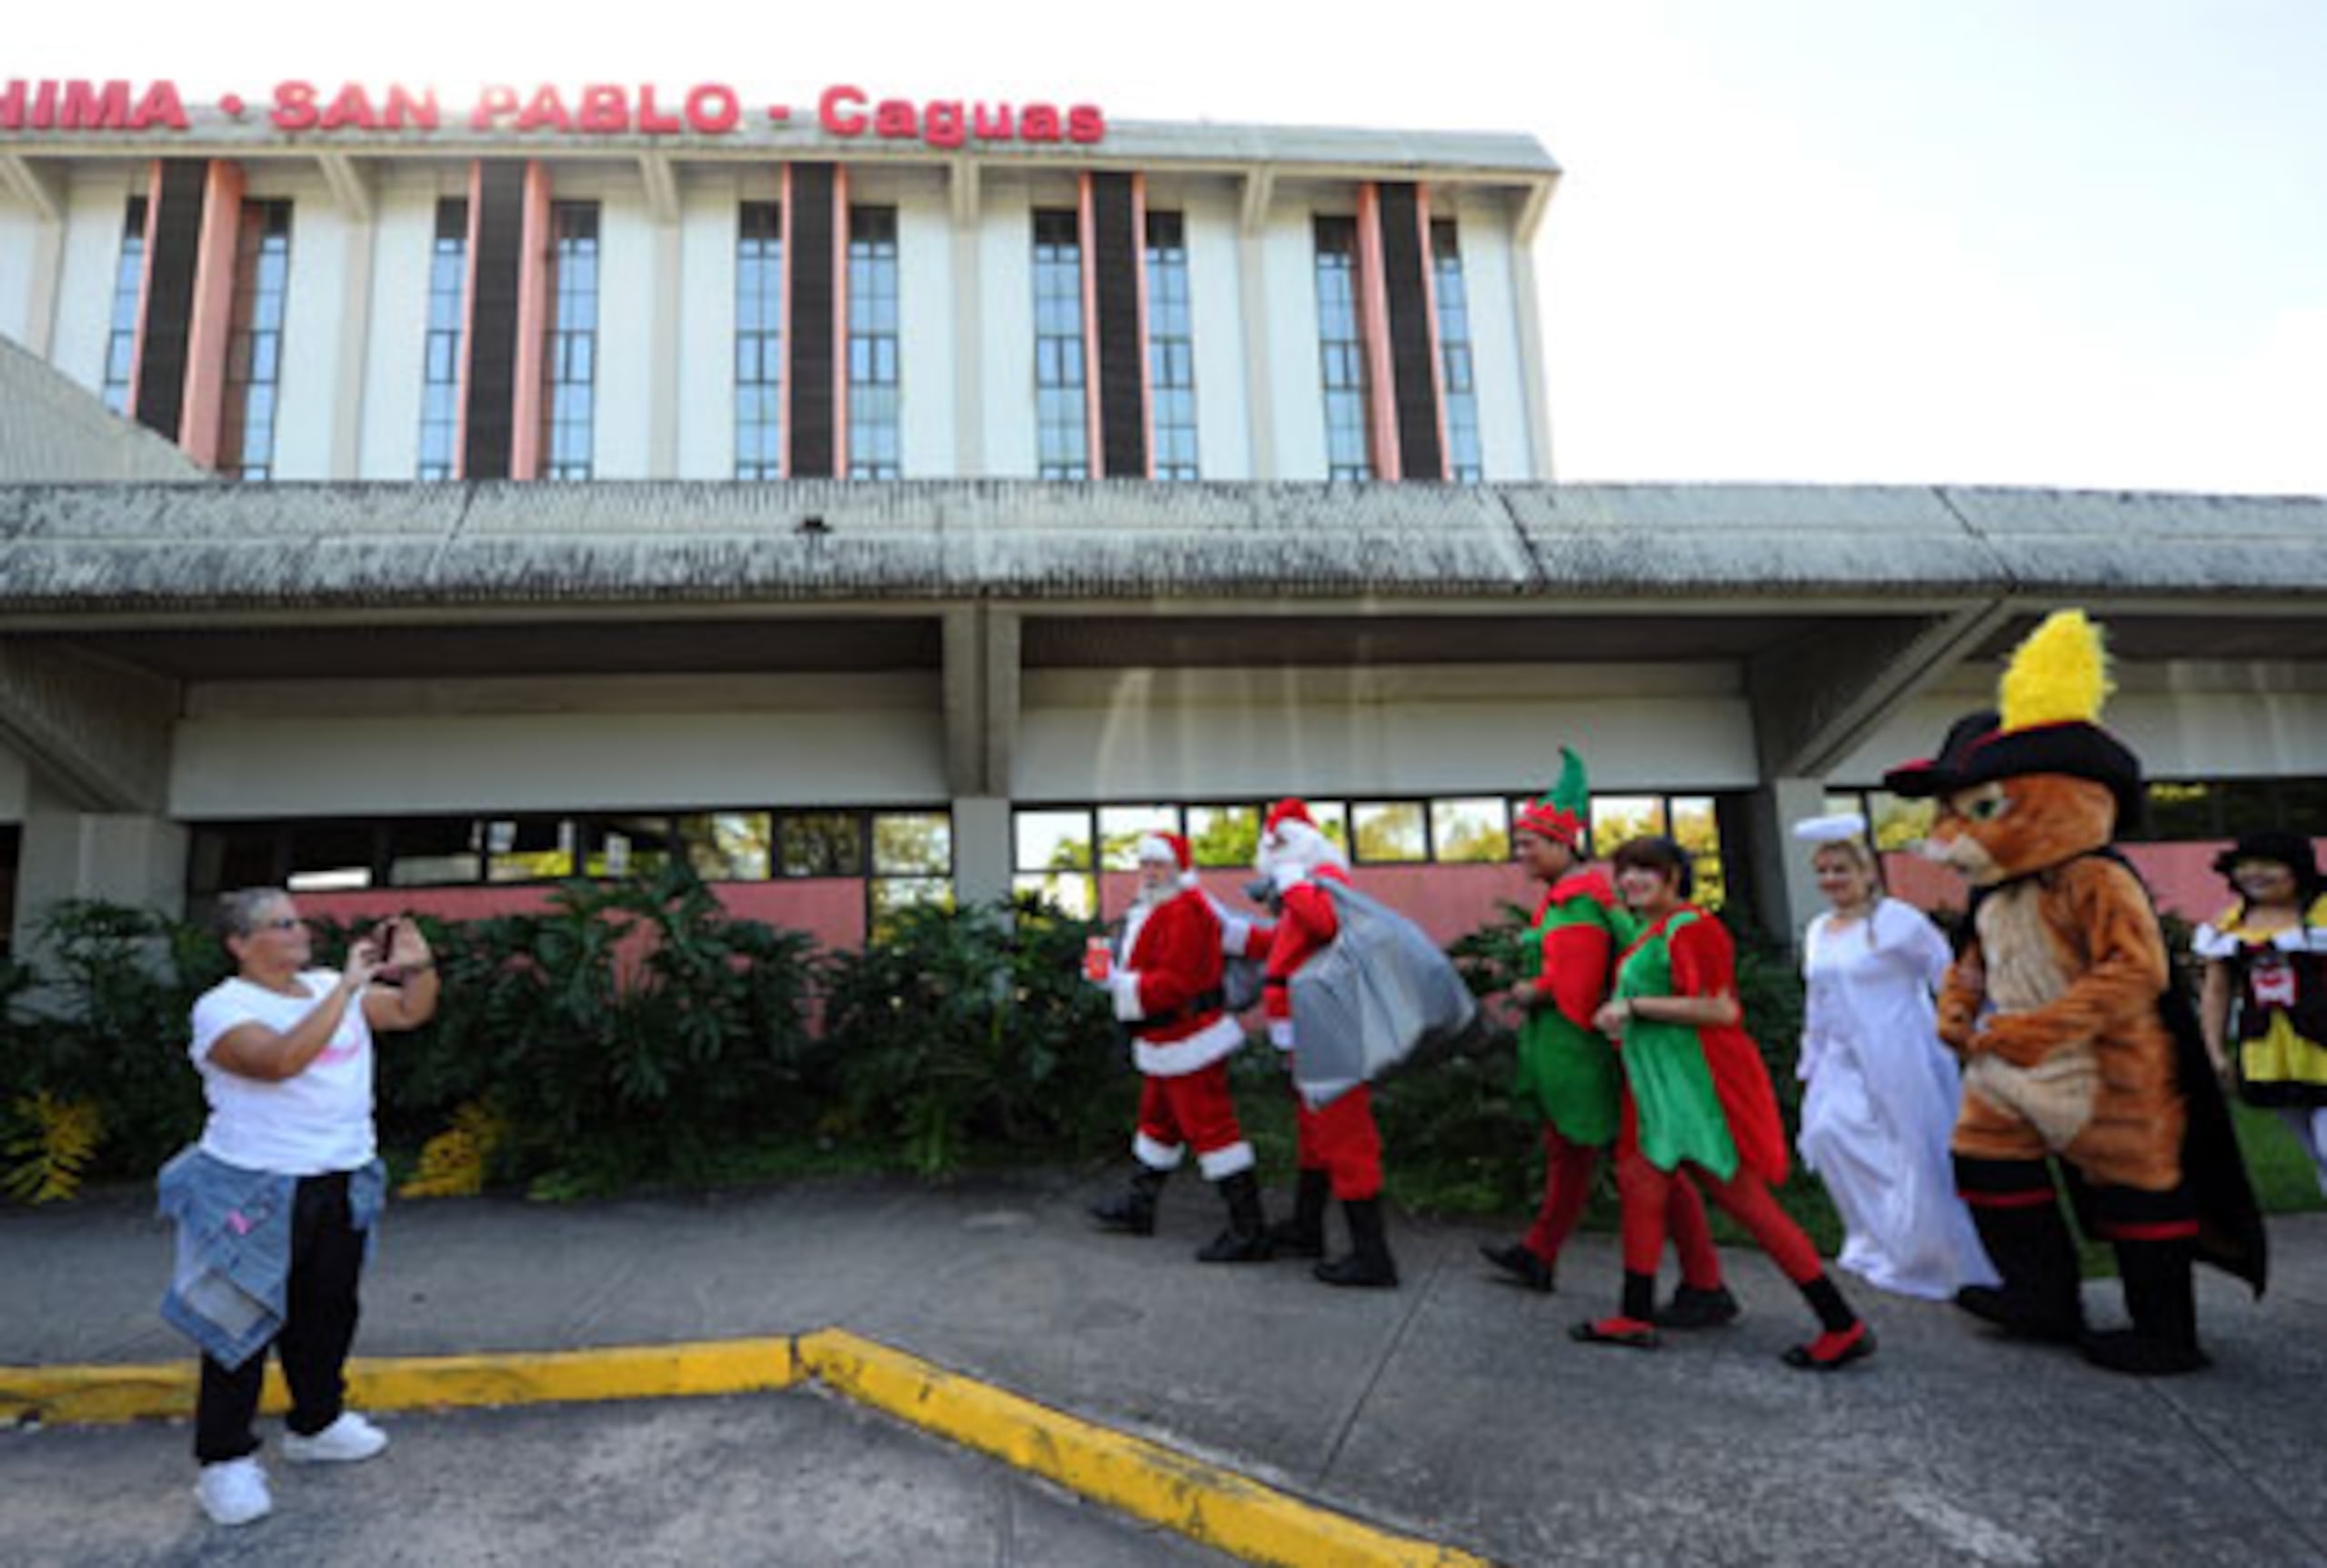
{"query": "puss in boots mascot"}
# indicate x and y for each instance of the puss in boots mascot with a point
(2077, 1045)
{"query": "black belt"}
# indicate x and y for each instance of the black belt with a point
(1187, 1012)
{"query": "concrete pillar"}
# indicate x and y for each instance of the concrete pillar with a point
(1757, 838)
(119, 857)
(982, 850)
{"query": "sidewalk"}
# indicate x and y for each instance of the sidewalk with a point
(1454, 1408)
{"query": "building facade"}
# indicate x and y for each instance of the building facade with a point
(868, 503)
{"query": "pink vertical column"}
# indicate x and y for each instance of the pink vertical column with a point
(1373, 322)
(534, 280)
(212, 323)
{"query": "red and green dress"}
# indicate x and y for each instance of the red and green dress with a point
(1567, 1074)
(1699, 1094)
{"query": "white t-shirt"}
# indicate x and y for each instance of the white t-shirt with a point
(316, 1122)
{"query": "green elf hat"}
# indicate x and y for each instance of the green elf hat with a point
(1563, 813)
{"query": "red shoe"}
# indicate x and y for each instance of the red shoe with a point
(1835, 1349)
(1629, 1331)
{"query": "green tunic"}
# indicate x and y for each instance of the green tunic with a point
(1567, 1074)
(1673, 1086)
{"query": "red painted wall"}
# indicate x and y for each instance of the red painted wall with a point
(829, 909)
(2182, 875)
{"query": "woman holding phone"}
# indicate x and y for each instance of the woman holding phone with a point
(274, 1204)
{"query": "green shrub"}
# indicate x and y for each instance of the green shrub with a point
(974, 1027)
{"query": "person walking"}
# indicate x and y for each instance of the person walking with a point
(1697, 1094)
(1880, 1092)
(275, 1204)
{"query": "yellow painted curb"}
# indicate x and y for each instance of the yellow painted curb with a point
(1204, 1502)
(114, 1394)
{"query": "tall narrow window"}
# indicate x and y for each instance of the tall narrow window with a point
(1340, 351)
(570, 350)
(440, 383)
(1463, 463)
(874, 444)
(1062, 409)
(254, 341)
(759, 342)
(1170, 349)
(128, 285)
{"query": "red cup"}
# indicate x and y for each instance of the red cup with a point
(1098, 959)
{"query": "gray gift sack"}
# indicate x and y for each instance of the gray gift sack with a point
(1380, 990)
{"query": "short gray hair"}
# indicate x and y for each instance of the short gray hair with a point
(238, 911)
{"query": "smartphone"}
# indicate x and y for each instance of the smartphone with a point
(384, 940)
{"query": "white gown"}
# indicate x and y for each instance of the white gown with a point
(1881, 1099)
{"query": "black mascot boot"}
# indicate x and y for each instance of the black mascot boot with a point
(2162, 1301)
(1304, 1235)
(1369, 1262)
(1133, 1212)
(1246, 1239)
(2018, 1214)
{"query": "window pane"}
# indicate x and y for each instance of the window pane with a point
(2181, 811)
(1224, 835)
(1390, 831)
(1120, 827)
(528, 849)
(892, 894)
(908, 843)
(1470, 830)
(1897, 822)
(1617, 817)
(1697, 829)
(821, 844)
(326, 855)
(1052, 840)
(1076, 892)
(727, 845)
(435, 853)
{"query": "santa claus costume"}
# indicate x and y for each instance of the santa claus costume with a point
(1337, 1146)
(1167, 993)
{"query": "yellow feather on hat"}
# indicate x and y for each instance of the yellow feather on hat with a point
(2061, 674)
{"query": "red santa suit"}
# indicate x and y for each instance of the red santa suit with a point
(1337, 1145)
(1169, 992)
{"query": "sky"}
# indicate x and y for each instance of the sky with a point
(2076, 242)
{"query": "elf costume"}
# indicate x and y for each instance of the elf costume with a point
(1568, 1077)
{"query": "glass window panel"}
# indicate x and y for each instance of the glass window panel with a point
(822, 843)
(2182, 810)
(326, 855)
(235, 855)
(1052, 840)
(1074, 892)
(1618, 817)
(1224, 835)
(528, 849)
(626, 845)
(1470, 830)
(435, 851)
(727, 845)
(909, 843)
(2248, 806)
(1120, 827)
(1390, 831)
(1897, 822)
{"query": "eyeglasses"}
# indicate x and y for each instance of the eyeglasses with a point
(280, 923)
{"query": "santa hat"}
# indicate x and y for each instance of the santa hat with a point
(1564, 811)
(1290, 809)
(1169, 849)
(1290, 836)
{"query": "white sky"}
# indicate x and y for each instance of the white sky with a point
(2029, 242)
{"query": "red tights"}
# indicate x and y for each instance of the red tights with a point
(1567, 1184)
(1648, 1193)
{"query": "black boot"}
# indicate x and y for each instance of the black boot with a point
(1304, 1235)
(1369, 1262)
(1246, 1239)
(1522, 1266)
(1133, 1212)
(2029, 1242)
(2163, 1302)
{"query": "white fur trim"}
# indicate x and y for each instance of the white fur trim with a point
(1125, 983)
(1235, 934)
(1288, 877)
(1223, 1163)
(1156, 1156)
(1281, 1033)
(1172, 1058)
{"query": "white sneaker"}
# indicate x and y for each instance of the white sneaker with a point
(235, 1492)
(344, 1442)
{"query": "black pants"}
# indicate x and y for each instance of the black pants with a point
(318, 1325)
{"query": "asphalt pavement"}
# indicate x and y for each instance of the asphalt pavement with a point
(1454, 1408)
